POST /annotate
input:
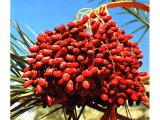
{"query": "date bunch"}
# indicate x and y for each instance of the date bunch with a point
(87, 61)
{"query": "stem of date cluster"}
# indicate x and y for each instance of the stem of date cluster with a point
(89, 27)
(137, 5)
(101, 109)
(97, 107)
(75, 112)
(73, 115)
(70, 116)
(145, 78)
(111, 112)
(81, 112)
(146, 104)
(76, 16)
(127, 111)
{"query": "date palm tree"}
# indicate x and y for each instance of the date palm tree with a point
(24, 99)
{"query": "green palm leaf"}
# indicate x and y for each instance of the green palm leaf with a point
(18, 79)
(25, 98)
(56, 109)
(130, 22)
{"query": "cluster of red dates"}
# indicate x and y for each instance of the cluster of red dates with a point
(89, 60)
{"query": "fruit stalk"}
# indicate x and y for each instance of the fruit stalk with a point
(126, 4)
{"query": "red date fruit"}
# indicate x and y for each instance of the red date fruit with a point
(41, 81)
(87, 73)
(39, 89)
(26, 68)
(41, 39)
(86, 85)
(31, 61)
(104, 97)
(114, 82)
(80, 78)
(69, 86)
(57, 74)
(134, 97)
(27, 83)
(45, 59)
(121, 80)
(34, 48)
(27, 74)
(65, 77)
(71, 71)
(49, 101)
(121, 101)
(142, 74)
(57, 60)
(118, 58)
(85, 19)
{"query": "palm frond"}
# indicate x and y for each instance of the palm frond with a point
(89, 1)
(136, 11)
(18, 79)
(121, 13)
(32, 30)
(27, 41)
(17, 47)
(21, 105)
(14, 50)
(27, 95)
(20, 111)
(51, 112)
(145, 15)
(16, 26)
(129, 10)
(138, 29)
(25, 98)
(23, 109)
(101, 2)
(20, 58)
(13, 71)
(143, 34)
(129, 22)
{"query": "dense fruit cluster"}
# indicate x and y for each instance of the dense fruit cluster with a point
(89, 60)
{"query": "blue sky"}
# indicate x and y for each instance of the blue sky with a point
(47, 14)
